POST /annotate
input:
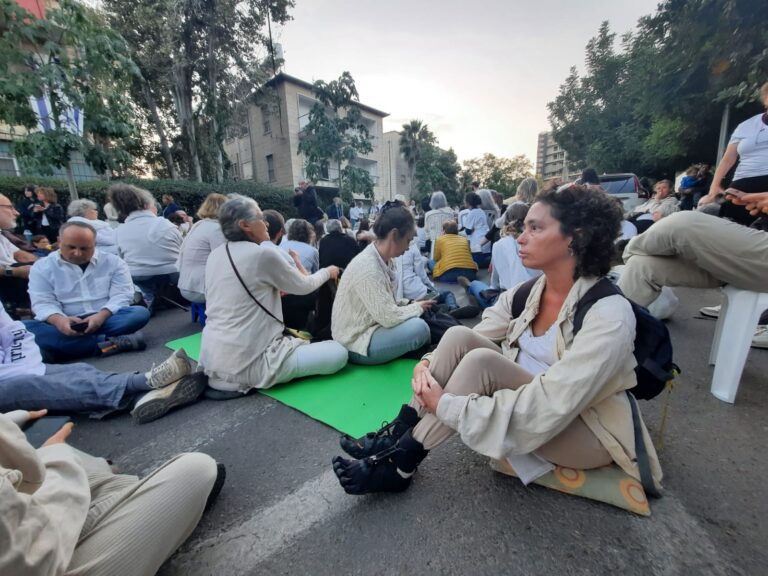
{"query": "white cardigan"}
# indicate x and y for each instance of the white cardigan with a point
(365, 301)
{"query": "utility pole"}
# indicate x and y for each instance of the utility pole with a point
(722, 141)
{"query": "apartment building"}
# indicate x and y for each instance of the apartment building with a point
(264, 145)
(396, 176)
(551, 160)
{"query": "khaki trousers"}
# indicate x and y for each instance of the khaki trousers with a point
(465, 363)
(696, 250)
(133, 525)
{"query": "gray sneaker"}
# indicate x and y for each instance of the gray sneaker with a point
(175, 367)
(710, 311)
(158, 403)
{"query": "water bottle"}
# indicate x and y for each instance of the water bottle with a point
(28, 235)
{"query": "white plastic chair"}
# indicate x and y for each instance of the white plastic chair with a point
(735, 329)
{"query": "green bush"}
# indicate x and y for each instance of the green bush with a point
(188, 195)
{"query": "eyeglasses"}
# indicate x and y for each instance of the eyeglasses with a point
(11, 206)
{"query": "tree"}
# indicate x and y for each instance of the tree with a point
(199, 60)
(336, 134)
(501, 174)
(416, 140)
(437, 169)
(654, 106)
(76, 64)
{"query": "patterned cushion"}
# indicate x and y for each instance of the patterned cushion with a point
(609, 484)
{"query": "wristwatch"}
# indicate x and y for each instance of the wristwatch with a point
(8, 271)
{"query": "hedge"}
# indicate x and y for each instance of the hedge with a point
(189, 195)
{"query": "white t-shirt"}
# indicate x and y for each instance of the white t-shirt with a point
(628, 230)
(7, 250)
(537, 353)
(477, 221)
(751, 137)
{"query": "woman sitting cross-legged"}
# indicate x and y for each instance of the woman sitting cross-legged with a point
(367, 318)
(525, 388)
(244, 345)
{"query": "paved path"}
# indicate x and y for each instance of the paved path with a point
(281, 511)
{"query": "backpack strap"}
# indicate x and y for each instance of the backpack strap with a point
(641, 452)
(521, 297)
(600, 290)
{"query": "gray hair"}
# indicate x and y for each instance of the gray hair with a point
(80, 207)
(487, 203)
(438, 200)
(527, 190)
(237, 209)
(334, 226)
(126, 198)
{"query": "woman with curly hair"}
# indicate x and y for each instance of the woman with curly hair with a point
(525, 388)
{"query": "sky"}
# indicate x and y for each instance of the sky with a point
(478, 73)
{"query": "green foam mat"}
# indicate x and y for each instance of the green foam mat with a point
(355, 400)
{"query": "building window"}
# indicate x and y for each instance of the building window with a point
(267, 127)
(325, 171)
(271, 167)
(402, 178)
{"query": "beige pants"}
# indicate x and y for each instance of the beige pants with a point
(695, 250)
(465, 363)
(133, 525)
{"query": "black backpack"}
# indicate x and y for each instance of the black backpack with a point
(653, 347)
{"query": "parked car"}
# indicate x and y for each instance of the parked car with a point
(626, 187)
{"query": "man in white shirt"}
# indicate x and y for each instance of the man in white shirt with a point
(82, 300)
(355, 213)
(14, 263)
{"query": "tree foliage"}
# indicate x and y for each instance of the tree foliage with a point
(501, 174)
(654, 103)
(416, 142)
(336, 134)
(199, 60)
(430, 167)
(76, 61)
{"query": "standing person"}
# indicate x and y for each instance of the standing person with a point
(476, 227)
(24, 208)
(438, 215)
(367, 318)
(305, 201)
(244, 346)
(170, 206)
(336, 209)
(748, 145)
(526, 388)
(65, 511)
(148, 244)
(203, 238)
(355, 213)
(49, 213)
(82, 300)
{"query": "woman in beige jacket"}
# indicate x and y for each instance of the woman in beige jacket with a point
(525, 388)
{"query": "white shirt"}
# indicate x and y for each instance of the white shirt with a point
(412, 280)
(271, 245)
(309, 256)
(354, 213)
(58, 287)
(477, 221)
(751, 136)
(203, 238)
(105, 234)
(628, 230)
(19, 355)
(7, 250)
(149, 244)
(508, 269)
(537, 353)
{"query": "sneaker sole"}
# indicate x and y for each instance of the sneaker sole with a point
(188, 390)
(221, 476)
(709, 314)
(761, 345)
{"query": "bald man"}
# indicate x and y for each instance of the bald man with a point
(81, 299)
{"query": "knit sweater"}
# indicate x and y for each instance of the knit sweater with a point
(452, 251)
(365, 301)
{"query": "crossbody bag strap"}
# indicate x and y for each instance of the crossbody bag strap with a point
(234, 268)
(641, 451)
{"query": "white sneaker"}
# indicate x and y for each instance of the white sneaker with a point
(710, 311)
(665, 304)
(157, 403)
(174, 368)
(760, 340)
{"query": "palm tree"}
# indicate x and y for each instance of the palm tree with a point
(414, 138)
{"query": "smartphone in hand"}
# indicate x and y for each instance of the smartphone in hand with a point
(79, 326)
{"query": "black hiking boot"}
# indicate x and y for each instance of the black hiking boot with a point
(385, 437)
(388, 471)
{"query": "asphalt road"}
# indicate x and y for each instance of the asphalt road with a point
(282, 511)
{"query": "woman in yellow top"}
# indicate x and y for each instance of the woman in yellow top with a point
(452, 256)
